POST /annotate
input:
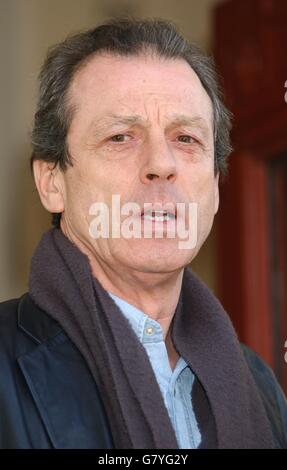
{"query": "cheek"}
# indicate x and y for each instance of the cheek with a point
(206, 213)
(207, 198)
(84, 187)
(199, 182)
(81, 193)
(203, 193)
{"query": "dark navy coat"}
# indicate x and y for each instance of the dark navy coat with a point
(48, 398)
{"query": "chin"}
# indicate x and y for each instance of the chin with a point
(159, 258)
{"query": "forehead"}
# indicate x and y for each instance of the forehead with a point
(143, 84)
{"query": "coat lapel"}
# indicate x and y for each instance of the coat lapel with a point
(61, 385)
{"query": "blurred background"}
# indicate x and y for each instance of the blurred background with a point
(244, 261)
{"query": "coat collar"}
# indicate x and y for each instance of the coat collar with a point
(35, 322)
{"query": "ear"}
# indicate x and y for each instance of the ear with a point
(216, 193)
(49, 183)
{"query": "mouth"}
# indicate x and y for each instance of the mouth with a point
(158, 215)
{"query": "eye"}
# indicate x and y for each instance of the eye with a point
(186, 139)
(119, 138)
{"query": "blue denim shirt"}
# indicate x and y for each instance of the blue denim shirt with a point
(175, 385)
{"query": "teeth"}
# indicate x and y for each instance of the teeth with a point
(158, 216)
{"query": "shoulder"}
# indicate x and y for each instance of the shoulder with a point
(8, 312)
(8, 325)
(271, 393)
(23, 326)
(262, 372)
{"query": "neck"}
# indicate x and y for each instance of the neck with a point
(156, 294)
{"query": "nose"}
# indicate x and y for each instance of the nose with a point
(159, 162)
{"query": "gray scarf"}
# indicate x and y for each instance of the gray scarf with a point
(62, 284)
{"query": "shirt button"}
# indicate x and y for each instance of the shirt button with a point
(149, 330)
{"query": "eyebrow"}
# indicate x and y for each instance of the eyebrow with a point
(175, 119)
(185, 120)
(120, 119)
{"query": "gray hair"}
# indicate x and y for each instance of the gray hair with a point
(126, 37)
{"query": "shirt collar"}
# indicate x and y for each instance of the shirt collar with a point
(146, 329)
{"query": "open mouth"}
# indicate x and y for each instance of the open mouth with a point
(158, 215)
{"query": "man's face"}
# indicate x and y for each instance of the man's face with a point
(143, 130)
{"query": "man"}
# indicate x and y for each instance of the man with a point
(118, 344)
